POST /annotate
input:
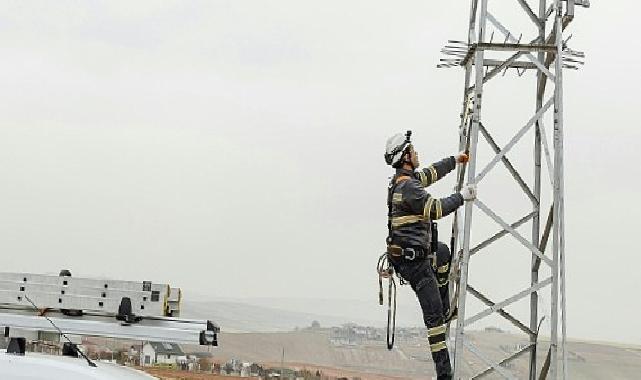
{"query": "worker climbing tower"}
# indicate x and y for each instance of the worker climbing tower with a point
(534, 57)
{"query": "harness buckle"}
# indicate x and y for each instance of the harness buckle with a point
(409, 257)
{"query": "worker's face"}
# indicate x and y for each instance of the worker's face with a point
(414, 157)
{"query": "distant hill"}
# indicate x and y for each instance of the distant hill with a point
(242, 317)
(259, 329)
(285, 314)
(410, 358)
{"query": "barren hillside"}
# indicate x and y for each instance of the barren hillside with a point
(410, 358)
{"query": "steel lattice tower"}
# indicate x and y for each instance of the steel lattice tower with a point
(544, 52)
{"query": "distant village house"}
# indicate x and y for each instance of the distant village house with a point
(154, 353)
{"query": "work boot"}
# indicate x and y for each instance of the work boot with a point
(445, 377)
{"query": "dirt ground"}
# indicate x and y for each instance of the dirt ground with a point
(169, 374)
(339, 372)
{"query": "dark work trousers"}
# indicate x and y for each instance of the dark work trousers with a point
(420, 274)
(442, 275)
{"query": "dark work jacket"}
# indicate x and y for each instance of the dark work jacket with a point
(411, 208)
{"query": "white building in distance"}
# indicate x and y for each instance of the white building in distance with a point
(161, 353)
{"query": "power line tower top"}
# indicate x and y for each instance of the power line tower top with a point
(492, 48)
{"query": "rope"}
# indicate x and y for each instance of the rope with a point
(384, 269)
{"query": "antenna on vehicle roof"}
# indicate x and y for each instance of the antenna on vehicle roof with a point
(91, 363)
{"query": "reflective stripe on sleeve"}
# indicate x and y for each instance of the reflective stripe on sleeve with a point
(427, 209)
(423, 177)
(433, 173)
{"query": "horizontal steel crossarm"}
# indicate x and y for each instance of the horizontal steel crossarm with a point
(516, 47)
(526, 7)
(515, 174)
(504, 65)
(500, 65)
(501, 312)
(155, 329)
(508, 301)
(506, 360)
(514, 139)
(493, 46)
(502, 371)
(509, 36)
(501, 233)
(524, 65)
(512, 231)
(511, 63)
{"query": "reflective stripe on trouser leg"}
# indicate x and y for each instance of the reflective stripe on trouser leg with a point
(438, 347)
(430, 299)
(436, 337)
(420, 275)
(439, 330)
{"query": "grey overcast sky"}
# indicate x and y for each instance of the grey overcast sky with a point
(234, 148)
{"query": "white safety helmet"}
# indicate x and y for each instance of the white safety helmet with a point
(396, 146)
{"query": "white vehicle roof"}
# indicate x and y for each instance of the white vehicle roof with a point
(35, 366)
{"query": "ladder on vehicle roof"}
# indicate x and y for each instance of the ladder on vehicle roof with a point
(92, 307)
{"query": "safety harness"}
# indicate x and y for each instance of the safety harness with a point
(385, 269)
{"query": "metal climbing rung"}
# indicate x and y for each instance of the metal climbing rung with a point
(74, 293)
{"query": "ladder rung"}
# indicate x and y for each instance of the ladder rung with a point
(75, 293)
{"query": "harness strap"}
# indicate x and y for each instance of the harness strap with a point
(407, 219)
(391, 190)
(402, 178)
